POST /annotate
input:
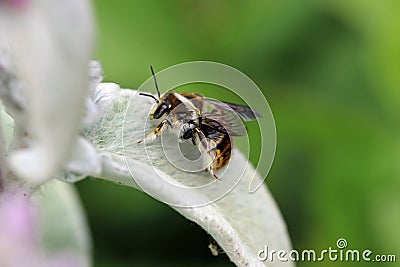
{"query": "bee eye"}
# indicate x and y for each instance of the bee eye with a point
(161, 110)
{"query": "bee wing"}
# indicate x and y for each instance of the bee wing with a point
(244, 112)
(224, 122)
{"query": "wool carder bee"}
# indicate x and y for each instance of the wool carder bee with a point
(209, 123)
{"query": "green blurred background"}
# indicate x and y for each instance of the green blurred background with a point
(330, 71)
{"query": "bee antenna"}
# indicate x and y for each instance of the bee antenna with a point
(149, 95)
(155, 81)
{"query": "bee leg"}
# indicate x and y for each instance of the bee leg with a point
(152, 136)
(212, 172)
(200, 137)
(193, 140)
(214, 166)
(208, 146)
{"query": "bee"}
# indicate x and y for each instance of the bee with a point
(209, 123)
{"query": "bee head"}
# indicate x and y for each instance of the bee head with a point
(162, 107)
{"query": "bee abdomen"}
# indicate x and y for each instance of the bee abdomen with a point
(223, 151)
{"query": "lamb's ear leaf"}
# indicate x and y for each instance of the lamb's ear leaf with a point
(62, 223)
(244, 223)
(50, 53)
(240, 222)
